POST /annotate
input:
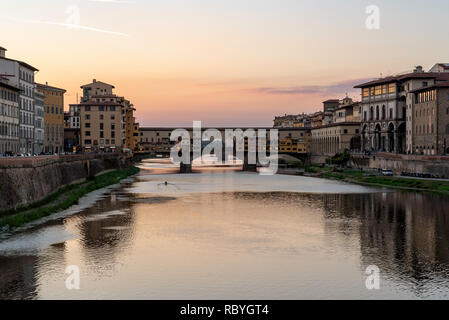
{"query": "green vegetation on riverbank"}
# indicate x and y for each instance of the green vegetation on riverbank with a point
(62, 199)
(357, 176)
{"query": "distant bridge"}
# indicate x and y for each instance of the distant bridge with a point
(157, 140)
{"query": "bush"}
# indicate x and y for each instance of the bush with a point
(339, 158)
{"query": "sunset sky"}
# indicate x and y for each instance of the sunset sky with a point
(233, 62)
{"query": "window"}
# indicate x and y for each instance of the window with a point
(378, 90)
(87, 125)
(365, 92)
(87, 133)
(87, 117)
(87, 108)
(87, 141)
(392, 88)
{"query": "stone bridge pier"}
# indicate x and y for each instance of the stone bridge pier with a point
(185, 168)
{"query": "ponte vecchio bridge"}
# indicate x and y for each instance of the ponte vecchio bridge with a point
(158, 140)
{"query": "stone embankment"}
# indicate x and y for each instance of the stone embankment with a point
(27, 180)
(401, 163)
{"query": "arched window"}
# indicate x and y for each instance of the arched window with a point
(383, 112)
(447, 129)
(371, 115)
(377, 112)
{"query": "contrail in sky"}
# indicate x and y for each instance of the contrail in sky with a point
(75, 26)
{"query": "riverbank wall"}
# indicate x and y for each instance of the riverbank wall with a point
(401, 163)
(24, 181)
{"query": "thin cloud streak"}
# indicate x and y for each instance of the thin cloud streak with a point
(336, 88)
(75, 26)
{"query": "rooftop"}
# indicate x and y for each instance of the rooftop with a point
(337, 124)
(47, 87)
(407, 76)
(442, 84)
(24, 64)
(94, 81)
(105, 103)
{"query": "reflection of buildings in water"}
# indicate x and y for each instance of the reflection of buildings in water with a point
(18, 283)
(103, 239)
(409, 227)
(21, 276)
(404, 234)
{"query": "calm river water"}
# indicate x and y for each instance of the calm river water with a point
(223, 234)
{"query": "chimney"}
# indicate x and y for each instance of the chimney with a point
(418, 69)
(46, 83)
(95, 80)
(2, 52)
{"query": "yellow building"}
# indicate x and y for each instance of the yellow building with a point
(294, 146)
(53, 117)
(132, 135)
(136, 137)
(288, 146)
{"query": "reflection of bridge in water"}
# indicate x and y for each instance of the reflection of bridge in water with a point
(158, 140)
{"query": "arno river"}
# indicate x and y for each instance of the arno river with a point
(223, 234)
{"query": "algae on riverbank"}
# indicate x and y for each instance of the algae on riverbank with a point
(358, 176)
(62, 199)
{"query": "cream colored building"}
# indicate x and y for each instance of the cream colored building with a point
(9, 118)
(107, 121)
(96, 88)
(387, 109)
(102, 125)
(431, 119)
(335, 138)
(348, 111)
